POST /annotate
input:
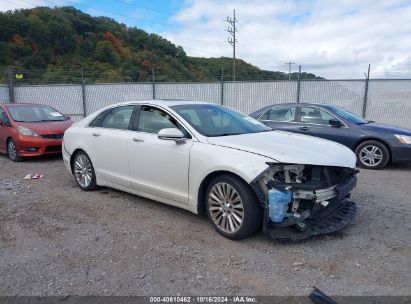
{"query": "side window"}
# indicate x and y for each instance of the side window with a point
(315, 115)
(118, 118)
(4, 117)
(98, 120)
(152, 120)
(280, 114)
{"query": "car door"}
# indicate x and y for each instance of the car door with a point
(109, 134)
(314, 121)
(4, 130)
(157, 166)
(281, 117)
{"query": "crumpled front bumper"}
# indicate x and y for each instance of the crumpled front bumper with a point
(339, 213)
(331, 219)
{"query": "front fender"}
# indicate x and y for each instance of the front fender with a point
(206, 159)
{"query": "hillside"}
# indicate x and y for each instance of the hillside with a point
(50, 45)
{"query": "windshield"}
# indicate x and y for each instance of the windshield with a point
(214, 120)
(350, 117)
(34, 113)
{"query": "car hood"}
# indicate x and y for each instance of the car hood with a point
(49, 127)
(287, 147)
(386, 129)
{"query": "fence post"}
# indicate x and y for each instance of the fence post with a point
(364, 104)
(11, 85)
(299, 84)
(153, 79)
(222, 87)
(83, 93)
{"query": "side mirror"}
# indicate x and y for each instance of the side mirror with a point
(171, 134)
(67, 117)
(1, 123)
(335, 123)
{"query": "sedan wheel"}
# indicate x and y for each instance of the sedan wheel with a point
(12, 151)
(84, 172)
(372, 155)
(226, 207)
(233, 207)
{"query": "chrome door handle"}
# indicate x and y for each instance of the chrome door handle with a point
(96, 134)
(304, 128)
(138, 139)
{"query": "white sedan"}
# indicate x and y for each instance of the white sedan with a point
(210, 159)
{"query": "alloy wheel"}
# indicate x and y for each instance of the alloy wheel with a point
(83, 170)
(371, 155)
(226, 207)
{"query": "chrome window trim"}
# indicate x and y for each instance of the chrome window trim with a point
(308, 123)
(111, 109)
(171, 115)
(278, 106)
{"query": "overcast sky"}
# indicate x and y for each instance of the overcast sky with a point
(331, 38)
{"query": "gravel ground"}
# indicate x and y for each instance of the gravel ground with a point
(56, 239)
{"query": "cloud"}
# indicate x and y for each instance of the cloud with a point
(335, 39)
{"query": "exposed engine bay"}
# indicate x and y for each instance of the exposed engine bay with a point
(304, 200)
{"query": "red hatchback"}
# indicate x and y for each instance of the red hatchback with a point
(31, 130)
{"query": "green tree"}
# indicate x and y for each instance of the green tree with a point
(105, 53)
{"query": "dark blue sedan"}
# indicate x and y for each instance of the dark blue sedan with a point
(375, 145)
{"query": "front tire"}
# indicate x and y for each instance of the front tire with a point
(372, 154)
(232, 207)
(12, 151)
(83, 171)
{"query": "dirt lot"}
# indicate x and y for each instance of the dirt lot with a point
(56, 239)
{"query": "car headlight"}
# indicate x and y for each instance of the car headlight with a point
(26, 131)
(404, 139)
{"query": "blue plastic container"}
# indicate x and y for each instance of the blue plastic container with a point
(278, 204)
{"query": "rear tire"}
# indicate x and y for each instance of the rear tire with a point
(372, 154)
(83, 171)
(232, 207)
(12, 151)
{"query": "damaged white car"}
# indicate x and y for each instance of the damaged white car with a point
(210, 159)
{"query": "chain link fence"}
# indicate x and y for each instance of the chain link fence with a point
(4, 93)
(383, 100)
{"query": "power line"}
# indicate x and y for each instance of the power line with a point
(202, 51)
(132, 17)
(232, 40)
(146, 8)
(117, 14)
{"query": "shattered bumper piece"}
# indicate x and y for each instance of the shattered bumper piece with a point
(333, 218)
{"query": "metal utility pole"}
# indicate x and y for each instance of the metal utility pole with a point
(11, 85)
(289, 68)
(232, 40)
(367, 81)
(299, 84)
(83, 92)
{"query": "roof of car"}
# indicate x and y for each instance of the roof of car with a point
(20, 104)
(163, 102)
(300, 104)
